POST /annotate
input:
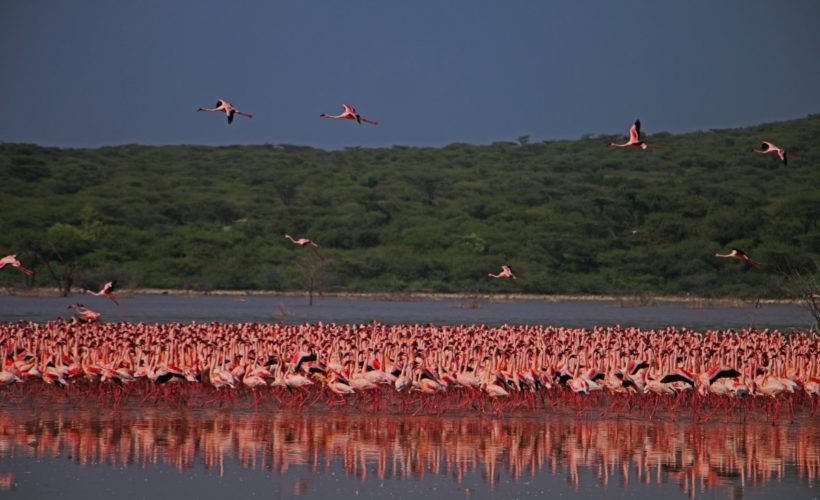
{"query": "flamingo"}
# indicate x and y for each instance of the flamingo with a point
(53, 376)
(167, 373)
(506, 272)
(304, 242)
(359, 382)
(375, 374)
(681, 375)
(8, 377)
(767, 384)
(591, 378)
(91, 370)
(349, 113)
(467, 378)
(433, 359)
(812, 386)
(659, 387)
(427, 383)
(718, 380)
(83, 314)
(740, 255)
(491, 386)
(767, 147)
(637, 385)
(296, 381)
(302, 358)
(719, 372)
(223, 106)
(339, 385)
(633, 367)
(253, 380)
(634, 138)
(578, 385)
(11, 260)
(107, 291)
(220, 377)
(403, 381)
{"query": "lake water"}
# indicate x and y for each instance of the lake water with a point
(78, 451)
(174, 453)
(577, 313)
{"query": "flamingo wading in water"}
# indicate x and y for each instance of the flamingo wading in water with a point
(350, 113)
(223, 106)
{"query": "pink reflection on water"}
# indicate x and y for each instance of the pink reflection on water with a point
(620, 452)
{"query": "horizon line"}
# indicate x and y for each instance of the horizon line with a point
(585, 136)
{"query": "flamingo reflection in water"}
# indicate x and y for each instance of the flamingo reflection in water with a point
(698, 457)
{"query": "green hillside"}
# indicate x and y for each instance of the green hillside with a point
(568, 216)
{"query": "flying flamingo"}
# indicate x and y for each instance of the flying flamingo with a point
(634, 138)
(740, 255)
(304, 242)
(107, 291)
(767, 147)
(223, 106)
(11, 260)
(83, 314)
(506, 272)
(350, 113)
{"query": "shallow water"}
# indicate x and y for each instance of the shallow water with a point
(162, 452)
(165, 452)
(576, 313)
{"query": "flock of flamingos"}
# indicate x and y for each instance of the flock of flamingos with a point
(442, 367)
(523, 364)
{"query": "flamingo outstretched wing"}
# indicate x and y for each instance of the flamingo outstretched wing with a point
(635, 132)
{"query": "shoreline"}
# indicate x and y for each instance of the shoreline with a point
(626, 300)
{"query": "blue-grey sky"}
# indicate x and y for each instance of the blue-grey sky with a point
(90, 73)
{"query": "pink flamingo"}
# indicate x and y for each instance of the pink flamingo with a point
(83, 314)
(338, 384)
(349, 113)
(107, 291)
(304, 242)
(11, 260)
(506, 272)
(223, 106)
(634, 138)
(767, 147)
(741, 256)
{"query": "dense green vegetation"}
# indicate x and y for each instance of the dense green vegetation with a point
(568, 216)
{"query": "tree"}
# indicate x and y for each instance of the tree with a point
(803, 286)
(315, 272)
(61, 251)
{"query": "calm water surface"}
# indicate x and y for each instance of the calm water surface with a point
(59, 452)
(165, 453)
(577, 313)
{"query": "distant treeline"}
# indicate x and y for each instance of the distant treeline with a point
(567, 216)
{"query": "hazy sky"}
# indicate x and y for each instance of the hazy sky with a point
(90, 73)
